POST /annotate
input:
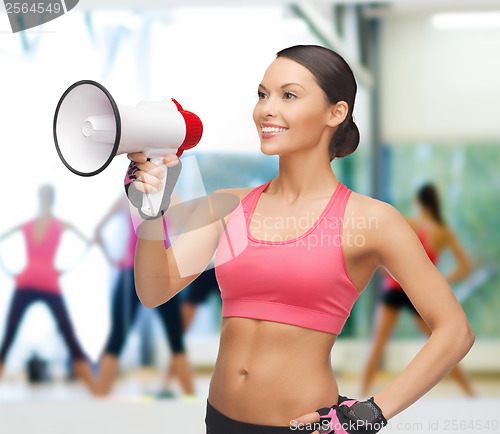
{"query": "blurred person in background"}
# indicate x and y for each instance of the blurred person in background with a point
(435, 236)
(125, 306)
(197, 293)
(39, 282)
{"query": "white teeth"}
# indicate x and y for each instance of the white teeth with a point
(273, 130)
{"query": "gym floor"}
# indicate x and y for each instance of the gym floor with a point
(63, 407)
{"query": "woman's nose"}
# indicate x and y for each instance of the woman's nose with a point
(270, 108)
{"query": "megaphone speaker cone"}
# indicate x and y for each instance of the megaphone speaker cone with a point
(87, 128)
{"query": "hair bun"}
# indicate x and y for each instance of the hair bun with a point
(345, 139)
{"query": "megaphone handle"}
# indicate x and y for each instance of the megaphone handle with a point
(153, 203)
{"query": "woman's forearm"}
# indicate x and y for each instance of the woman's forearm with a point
(443, 350)
(151, 264)
(161, 273)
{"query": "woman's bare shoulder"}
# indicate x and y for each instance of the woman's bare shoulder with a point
(367, 215)
(378, 222)
(239, 192)
(367, 206)
(224, 201)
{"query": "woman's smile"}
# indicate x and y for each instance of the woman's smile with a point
(268, 131)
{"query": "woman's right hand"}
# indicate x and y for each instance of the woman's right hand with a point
(149, 176)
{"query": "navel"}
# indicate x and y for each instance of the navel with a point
(244, 372)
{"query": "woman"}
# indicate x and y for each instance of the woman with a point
(290, 267)
(39, 281)
(435, 236)
(125, 306)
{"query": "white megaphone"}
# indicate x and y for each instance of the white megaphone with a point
(90, 128)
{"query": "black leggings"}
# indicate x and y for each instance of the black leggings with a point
(21, 300)
(217, 423)
(125, 306)
(398, 299)
(200, 288)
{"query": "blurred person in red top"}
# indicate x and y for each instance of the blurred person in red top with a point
(435, 236)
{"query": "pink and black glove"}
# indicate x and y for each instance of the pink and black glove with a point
(136, 197)
(352, 416)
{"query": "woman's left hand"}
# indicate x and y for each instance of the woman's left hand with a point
(348, 416)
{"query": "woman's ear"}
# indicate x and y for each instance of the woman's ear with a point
(338, 113)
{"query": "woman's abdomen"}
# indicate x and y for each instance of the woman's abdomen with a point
(271, 373)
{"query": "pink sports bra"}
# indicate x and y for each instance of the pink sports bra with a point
(302, 281)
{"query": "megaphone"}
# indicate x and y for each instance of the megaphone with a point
(90, 129)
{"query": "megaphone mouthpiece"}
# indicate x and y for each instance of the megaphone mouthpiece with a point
(100, 128)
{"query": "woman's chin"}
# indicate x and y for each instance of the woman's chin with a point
(268, 150)
(269, 154)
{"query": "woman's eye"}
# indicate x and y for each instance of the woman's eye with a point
(288, 95)
(261, 95)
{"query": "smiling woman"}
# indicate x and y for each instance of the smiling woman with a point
(288, 288)
(343, 89)
(304, 106)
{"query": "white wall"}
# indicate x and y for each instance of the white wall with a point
(439, 84)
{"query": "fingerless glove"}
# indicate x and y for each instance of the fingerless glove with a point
(350, 416)
(136, 197)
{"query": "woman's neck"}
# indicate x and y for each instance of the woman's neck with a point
(303, 175)
(44, 215)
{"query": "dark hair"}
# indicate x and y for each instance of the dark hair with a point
(428, 197)
(335, 77)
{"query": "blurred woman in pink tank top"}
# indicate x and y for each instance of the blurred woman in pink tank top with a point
(435, 236)
(39, 281)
